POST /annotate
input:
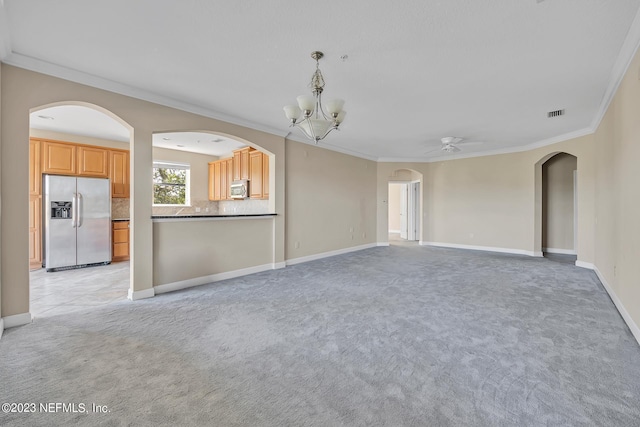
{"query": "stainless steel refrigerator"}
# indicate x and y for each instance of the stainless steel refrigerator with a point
(77, 222)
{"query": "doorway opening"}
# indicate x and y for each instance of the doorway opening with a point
(404, 207)
(559, 208)
(78, 208)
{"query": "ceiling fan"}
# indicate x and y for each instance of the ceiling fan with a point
(450, 144)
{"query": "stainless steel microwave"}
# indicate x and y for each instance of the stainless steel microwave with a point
(239, 189)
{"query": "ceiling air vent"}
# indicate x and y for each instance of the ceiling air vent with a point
(556, 113)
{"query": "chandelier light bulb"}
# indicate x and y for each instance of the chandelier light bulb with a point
(307, 103)
(292, 112)
(315, 120)
(334, 107)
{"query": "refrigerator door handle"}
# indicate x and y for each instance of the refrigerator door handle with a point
(79, 210)
(74, 204)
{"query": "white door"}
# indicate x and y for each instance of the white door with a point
(413, 211)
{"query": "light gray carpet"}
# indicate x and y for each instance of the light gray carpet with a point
(395, 336)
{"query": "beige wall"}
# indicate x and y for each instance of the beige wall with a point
(617, 215)
(331, 200)
(492, 201)
(192, 249)
(557, 202)
(394, 207)
(79, 139)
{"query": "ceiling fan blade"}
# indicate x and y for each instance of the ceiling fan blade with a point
(454, 149)
(433, 150)
(470, 143)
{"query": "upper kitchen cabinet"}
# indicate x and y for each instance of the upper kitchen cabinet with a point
(59, 158)
(63, 158)
(265, 176)
(119, 173)
(93, 161)
(255, 175)
(241, 163)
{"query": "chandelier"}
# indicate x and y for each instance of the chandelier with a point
(316, 120)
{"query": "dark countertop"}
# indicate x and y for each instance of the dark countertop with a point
(119, 219)
(210, 216)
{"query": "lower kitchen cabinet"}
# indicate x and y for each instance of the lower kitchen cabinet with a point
(120, 240)
(35, 237)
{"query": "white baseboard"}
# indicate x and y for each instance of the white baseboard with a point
(382, 244)
(538, 254)
(1, 327)
(136, 295)
(633, 327)
(314, 257)
(481, 248)
(17, 320)
(203, 280)
(279, 265)
(560, 251)
(394, 231)
(585, 265)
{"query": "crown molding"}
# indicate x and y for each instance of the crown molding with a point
(298, 138)
(620, 68)
(48, 68)
(505, 150)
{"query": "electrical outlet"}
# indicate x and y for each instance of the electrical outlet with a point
(296, 245)
(471, 235)
(364, 235)
(197, 210)
(350, 229)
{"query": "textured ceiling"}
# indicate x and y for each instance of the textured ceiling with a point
(416, 71)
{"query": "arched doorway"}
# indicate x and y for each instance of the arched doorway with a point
(556, 206)
(404, 218)
(83, 144)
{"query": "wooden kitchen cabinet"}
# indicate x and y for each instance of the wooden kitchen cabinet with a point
(59, 158)
(119, 173)
(93, 161)
(241, 163)
(220, 178)
(35, 174)
(229, 177)
(255, 175)
(120, 241)
(236, 165)
(212, 181)
(35, 236)
(224, 187)
(265, 176)
(218, 181)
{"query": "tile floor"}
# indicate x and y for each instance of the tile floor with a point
(67, 291)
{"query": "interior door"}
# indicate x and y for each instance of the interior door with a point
(413, 211)
(93, 221)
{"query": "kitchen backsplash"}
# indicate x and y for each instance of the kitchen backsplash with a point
(198, 207)
(246, 206)
(119, 208)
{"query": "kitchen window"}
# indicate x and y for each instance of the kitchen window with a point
(170, 184)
